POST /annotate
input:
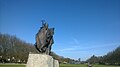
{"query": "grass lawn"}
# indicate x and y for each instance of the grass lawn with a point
(12, 65)
(61, 65)
(83, 65)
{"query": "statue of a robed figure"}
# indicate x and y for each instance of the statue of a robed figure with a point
(44, 39)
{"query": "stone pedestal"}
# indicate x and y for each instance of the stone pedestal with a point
(55, 63)
(41, 60)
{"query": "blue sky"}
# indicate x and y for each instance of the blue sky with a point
(82, 27)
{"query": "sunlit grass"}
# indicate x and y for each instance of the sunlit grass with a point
(61, 65)
(12, 65)
(83, 65)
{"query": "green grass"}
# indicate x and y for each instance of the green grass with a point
(61, 65)
(83, 65)
(12, 65)
(72, 65)
(104, 66)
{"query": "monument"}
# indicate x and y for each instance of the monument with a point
(44, 41)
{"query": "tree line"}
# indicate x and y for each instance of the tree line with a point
(12, 49)
(15, 50)
(111, 58)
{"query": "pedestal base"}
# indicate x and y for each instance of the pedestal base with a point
(41, 60)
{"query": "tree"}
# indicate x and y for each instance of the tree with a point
(112, 58)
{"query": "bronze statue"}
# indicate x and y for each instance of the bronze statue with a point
(44, 39)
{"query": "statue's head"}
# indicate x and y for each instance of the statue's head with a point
(46, 25)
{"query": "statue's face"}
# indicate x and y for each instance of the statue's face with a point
(46, 25)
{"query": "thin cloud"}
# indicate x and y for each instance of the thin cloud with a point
(80, 48)
(67, 49)
(76, 41)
